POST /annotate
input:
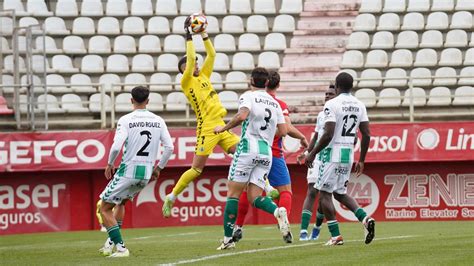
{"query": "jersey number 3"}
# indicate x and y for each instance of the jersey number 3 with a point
(142, 151)
(267, 119)
(349, 132)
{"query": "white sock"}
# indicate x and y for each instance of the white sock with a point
(108, 243)
(171, 197)
(303, 231)
(227, 239)
(276, 213)
(121, 247)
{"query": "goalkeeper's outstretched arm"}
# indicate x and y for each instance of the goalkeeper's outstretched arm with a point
(190, 56)
(208, 66)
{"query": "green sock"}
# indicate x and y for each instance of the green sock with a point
(360, 214)
(230, 214)
(114, 234)
(265, 203)
(334, 228)
(319, 219)
(305, 218)
(119, 223)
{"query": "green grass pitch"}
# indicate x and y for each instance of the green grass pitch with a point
(397, 243)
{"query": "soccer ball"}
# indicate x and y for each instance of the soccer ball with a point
(198, 23)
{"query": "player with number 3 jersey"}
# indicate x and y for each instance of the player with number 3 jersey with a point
(261, 116)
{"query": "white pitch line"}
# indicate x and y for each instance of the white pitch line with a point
(172, 235)
(270, 249)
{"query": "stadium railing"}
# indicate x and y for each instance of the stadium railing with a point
(301, 101)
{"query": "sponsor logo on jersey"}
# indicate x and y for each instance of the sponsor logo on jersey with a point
(341, 170)
(264, 162)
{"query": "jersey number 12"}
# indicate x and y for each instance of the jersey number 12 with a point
(348, 119)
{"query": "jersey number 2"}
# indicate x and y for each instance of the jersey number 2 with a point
(348, 132)
(267, 119)
(142, 151)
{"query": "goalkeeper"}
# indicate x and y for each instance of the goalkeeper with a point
(209, 111)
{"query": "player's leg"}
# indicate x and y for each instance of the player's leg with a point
(244, 207)
(204, 147)
(279, 178)
(318, 223)
(99, 216)
(326, 184)
(109, 198)
(255, 190)
(330, 213)
(230, 212)
(199, 161)
(348, 201)
(239, 173)
(306, 214)
(228, 142)
(126, 191)
(113, 230)
(241, 214)
(119, 212)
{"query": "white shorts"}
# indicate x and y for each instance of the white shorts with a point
(250, 168)
(333, 177)
(121, 188)
(312, 175)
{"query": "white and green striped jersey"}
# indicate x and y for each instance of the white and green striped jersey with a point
(142, 132)
(347, 112)
(258, 130)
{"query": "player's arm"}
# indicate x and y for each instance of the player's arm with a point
(328, 134)
(312, 142)
(282, 126)
(295, 133)
(364, 143)
(245, 105)
(190, 53)
(208, 65)
(121, 135)
(236, 120)
(168, 147)
(323, 142)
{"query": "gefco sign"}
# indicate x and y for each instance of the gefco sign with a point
(401, 142)
(54, 150)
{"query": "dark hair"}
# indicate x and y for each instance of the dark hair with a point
(181, 62)
(344, 81)
(140, 94)
(259, 76)
(273, 79)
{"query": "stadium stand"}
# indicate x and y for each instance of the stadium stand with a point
(141, 41)
(431, 41)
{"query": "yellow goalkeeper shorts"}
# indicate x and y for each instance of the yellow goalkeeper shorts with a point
(205, 144)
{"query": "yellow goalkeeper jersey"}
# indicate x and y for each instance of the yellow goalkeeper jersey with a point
(199, 91)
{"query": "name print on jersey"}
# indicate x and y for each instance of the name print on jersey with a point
(267, 102)
(144, 124)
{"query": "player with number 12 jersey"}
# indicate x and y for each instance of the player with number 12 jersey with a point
(336, 159)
